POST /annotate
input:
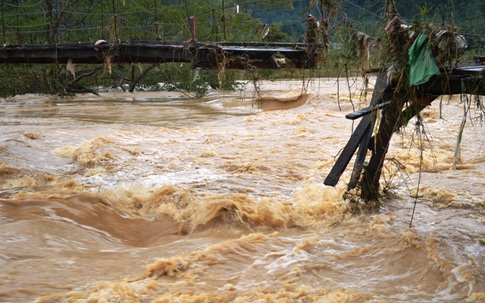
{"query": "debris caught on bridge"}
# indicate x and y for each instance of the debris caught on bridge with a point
(424, 67)
(205, 55)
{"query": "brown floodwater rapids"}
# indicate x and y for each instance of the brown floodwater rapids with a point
(163, 197)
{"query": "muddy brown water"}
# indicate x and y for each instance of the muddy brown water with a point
(160, 197)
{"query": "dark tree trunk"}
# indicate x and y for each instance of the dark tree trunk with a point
(391, 120)
(134, 81)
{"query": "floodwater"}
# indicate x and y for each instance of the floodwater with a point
(160, 197)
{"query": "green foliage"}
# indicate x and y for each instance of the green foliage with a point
(65, 21)
(11, 83)
(22, 79)
(423, 10)
(276, 34)
(68, 21)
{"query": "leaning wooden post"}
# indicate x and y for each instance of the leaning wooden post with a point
(378, 97)
(398, 36)
(360, 137)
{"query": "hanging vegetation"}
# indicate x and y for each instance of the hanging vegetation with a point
(67, 21)
(419, 62)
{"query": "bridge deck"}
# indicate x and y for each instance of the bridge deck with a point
(205, 55)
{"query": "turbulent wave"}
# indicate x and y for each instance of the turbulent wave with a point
(223, 201)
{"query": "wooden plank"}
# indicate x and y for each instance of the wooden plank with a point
(363, 130)
(347, 153)
(365, 111)
(376, 102)
(361, 155)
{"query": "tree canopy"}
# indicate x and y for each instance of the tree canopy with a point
(67, 21)
(71, 21)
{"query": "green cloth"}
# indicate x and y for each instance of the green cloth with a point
(421, 62)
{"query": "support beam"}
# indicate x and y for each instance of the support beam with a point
(347, 153)
(204, 55)
(365, 111)
(376, 103)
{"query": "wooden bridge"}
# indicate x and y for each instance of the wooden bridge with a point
(243, 55)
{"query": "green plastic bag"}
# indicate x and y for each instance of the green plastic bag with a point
(421, 62)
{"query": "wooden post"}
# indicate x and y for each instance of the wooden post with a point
(347, 153)
(360, 137)
(223, 19)
(377, 98)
